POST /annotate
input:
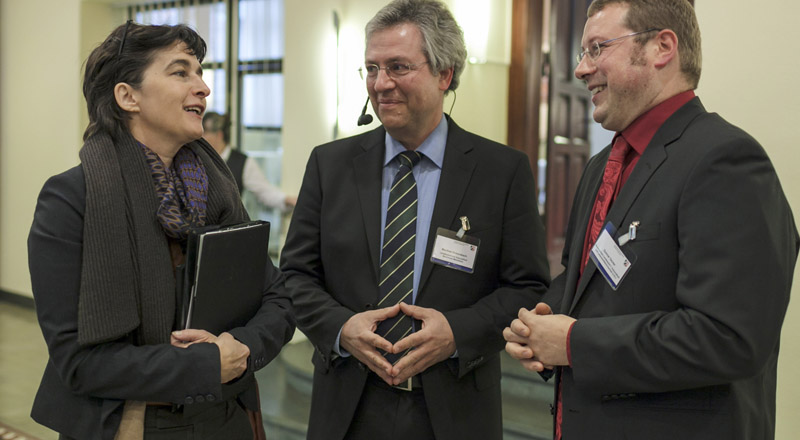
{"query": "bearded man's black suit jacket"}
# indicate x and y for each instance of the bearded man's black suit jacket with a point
(687, 346)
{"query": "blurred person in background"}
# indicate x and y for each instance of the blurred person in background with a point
(245, 170)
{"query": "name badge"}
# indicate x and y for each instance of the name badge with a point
(455, 250)
(612, 261)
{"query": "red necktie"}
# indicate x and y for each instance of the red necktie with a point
(607, 193)
(609, 189)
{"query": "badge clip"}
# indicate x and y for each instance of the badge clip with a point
(631, 235)
(464, 227)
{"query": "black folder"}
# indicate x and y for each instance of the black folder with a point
(220, 286)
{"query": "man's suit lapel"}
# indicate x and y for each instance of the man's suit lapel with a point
(584, 209)
(368, 169)
(652, 158)
(457, 170)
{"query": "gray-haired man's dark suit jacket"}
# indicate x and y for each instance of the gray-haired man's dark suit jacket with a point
(331, 260)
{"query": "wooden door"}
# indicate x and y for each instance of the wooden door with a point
(524, 79)
(569, 104)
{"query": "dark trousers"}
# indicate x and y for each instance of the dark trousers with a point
(226, 420)
(388, 413)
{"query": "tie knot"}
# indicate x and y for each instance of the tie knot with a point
(619, 150)
(409, 158)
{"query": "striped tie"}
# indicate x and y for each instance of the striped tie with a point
(397, 255)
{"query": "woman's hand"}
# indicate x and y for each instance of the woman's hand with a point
(232, 356)
(232, 353)
(185, 338)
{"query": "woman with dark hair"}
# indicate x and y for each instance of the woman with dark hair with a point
(106, 238)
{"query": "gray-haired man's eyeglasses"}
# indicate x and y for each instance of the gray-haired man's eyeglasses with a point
(595, 49)
(394, 70)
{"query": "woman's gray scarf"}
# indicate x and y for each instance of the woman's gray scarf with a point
(127, 280)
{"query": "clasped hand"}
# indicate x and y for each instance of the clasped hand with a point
(538, 338)
(432, 343)
(232, 353)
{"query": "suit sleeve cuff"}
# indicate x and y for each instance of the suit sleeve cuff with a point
(569, 349)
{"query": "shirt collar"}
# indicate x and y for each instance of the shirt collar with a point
(641, 131)
(432, 147)
(226, 153)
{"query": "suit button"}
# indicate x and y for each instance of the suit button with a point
(188, 400)
(210, 398)
(199, 398)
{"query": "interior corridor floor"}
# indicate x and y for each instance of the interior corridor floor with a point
(23, 355)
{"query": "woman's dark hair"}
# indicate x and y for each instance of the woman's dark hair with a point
(123, 57)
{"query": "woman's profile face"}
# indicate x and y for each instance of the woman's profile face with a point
(171, 100)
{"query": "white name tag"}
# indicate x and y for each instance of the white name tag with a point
(609, 258)
(455, 253)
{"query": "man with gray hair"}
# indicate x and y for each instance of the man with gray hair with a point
(410, 248)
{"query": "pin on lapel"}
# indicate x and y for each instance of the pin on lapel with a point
(631, 235)
(464, 227)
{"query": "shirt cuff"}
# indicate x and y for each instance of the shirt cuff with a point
(569, 350)
(338, 349)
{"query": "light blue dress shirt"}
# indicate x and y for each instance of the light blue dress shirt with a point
(426, 173)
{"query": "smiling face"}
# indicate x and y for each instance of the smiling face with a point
(409, 106)
(167, 110)
(621, 79)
